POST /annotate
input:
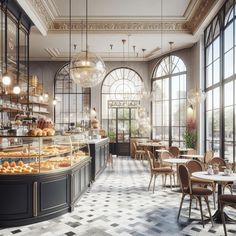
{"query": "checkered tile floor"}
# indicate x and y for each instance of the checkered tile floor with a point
(118, 203)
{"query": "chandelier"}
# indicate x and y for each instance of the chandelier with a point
(195, 96)
(86, 68)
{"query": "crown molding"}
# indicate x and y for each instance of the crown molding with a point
(38, 13)
(122, 26)
(203, 7)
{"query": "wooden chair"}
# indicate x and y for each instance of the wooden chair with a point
(138, 153)
(193, 192)
(194, 166)
(207, 158)
(222, 164)
(174, 151)
(158, 170)
(226, 200)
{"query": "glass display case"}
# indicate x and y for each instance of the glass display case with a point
(32, 155)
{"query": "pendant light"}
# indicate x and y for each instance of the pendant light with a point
(6, 79)
(86, 68)
(16, 88)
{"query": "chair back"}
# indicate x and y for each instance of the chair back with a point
(134, 146)
(150, 160)
(174, 151)
(155, 163)
(165, 155)
(219, 161)
(191, 152)
(208, 156)
(184, 178)
(194, 166)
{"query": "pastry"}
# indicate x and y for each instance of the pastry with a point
(13, 164)
(6, 164)
(20, 163)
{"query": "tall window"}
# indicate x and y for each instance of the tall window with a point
(169, 101)
(120, 100)
(73, 102)
(220, 82)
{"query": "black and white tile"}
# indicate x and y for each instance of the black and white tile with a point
(118, 203)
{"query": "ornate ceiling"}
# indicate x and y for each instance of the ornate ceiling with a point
(141, 23)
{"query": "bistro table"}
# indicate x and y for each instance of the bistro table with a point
(219, 178)
(177, 162)
(151, 145)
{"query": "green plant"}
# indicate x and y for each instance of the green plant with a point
(111, 135)
(190, 138)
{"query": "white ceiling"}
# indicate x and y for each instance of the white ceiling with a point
(122, 8)
(48, 42)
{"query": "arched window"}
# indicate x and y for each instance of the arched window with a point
(169, 100)
(220, 82)
(73, 102)
(120, 100)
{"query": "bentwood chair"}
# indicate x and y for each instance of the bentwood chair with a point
(224, 201)
(158, 170)
(193, 192)
(194, 166)
(222, 164)
(174, 151)
(207, 158)
(138, 153)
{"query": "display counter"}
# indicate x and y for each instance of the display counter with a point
(41, 177)
(99, 150)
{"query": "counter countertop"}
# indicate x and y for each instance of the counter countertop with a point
(96, 141)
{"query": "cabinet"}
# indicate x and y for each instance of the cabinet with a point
(54, 174)
(99, 151)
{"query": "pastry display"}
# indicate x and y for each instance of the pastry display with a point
(41, 155)
(41, 132)
(19, 168)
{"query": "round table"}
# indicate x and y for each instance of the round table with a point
(219, 178)
(177, 162)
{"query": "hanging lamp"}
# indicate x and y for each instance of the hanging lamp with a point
(16, 88)
(86, 68)
(6, 79)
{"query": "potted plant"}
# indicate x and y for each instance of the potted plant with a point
(190, 134)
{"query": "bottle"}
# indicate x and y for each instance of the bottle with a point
(210, 170)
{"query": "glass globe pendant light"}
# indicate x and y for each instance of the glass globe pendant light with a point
(16, 88)
(86, 68)
(6, 79)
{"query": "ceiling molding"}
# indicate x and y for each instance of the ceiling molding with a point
(203, 7)
(122, 26)
(38, 13)
(52, 9)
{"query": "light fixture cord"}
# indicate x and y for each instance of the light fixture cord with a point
(6, 38)
(86, 39)
(161, 25)
(69, 34)
(2, 41)
(18, 52)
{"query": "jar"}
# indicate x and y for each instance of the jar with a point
(216, 169)
(210, 170)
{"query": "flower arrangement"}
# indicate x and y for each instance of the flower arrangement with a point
(190, 134)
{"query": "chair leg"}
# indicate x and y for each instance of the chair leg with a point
(214, 198)
(200, 204)
(223, 218)
(154, 183)
(180, 207)
(190, 206)
(150, 182)
(170, 181)
(174, 178)
(165, 181)
(209, 210)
